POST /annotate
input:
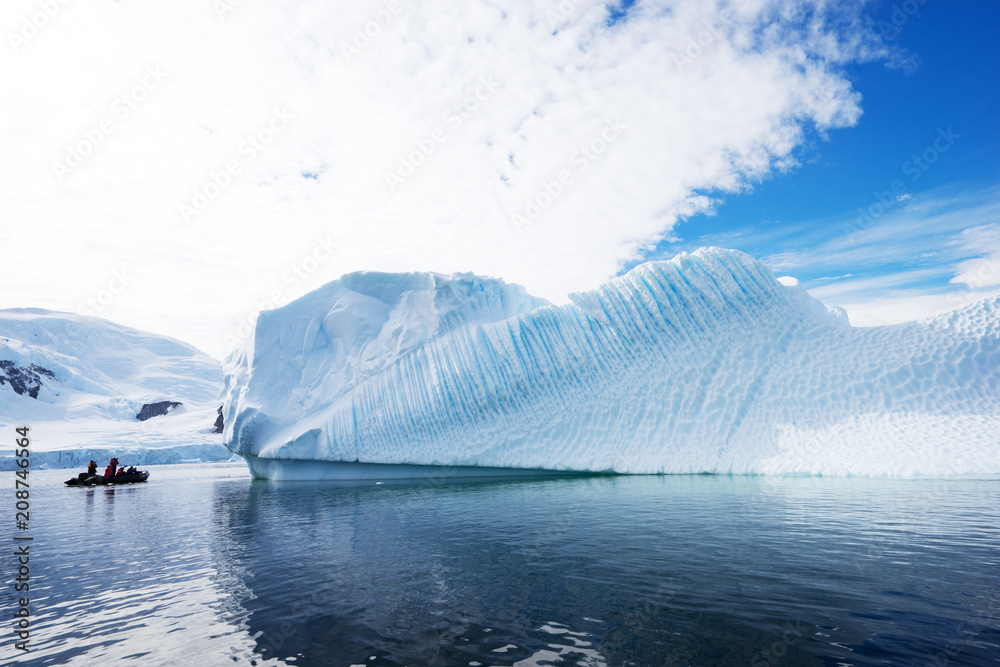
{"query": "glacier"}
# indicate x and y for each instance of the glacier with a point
(706, 363)
(81, 383)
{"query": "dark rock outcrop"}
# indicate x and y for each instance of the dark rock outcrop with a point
(150, 410)
(23, 380)
(219, 425)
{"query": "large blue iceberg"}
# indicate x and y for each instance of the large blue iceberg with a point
(705, 363)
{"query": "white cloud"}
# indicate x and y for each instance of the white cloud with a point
(908, 305)
(979, 272)
(939, 253)
(984, 270)
(704, 97)
(835, 292)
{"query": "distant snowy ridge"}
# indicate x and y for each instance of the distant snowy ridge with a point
(705, 363)
(83, 383)
(89, 358)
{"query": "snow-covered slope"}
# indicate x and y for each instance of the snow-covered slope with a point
(81, 383)
(705, 363)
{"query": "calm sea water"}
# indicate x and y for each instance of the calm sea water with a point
(203, 566)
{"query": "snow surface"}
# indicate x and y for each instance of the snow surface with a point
(104, 373)
(705, 363)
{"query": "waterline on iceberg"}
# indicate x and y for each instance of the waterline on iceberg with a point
(348, 471)
(706, 363)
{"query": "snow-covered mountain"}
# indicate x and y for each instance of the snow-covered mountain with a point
(705, 363)
(90, 388)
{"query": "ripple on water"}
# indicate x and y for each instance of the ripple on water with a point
(204, 565)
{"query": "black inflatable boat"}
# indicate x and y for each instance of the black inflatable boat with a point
(83, 479)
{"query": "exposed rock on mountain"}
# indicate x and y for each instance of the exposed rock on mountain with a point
(150, 410)
(23, 380)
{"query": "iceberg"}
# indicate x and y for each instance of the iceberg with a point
(706, 363)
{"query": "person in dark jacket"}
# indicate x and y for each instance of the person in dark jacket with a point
(110, 470)
(92, 468)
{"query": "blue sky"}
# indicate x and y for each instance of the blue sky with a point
(945, 90)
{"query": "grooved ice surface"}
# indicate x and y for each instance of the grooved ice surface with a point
(705, 363)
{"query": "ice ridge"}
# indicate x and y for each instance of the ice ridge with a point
(704, 363)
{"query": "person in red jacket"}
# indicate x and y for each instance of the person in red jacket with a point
(110, 470)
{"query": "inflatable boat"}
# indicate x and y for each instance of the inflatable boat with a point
(83, 479)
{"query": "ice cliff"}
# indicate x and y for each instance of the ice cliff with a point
(705, 363)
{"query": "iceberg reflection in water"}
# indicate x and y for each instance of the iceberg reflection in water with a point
(696, 570)
(209, 565)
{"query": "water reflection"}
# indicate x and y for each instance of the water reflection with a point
(697, 570)
(206, 567)
(123, 578)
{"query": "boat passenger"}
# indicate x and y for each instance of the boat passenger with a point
(110, 470)
(92, 468)
(121, 471)
(131, 471)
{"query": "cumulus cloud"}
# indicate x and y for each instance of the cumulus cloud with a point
(984, 270)
(219, 151)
